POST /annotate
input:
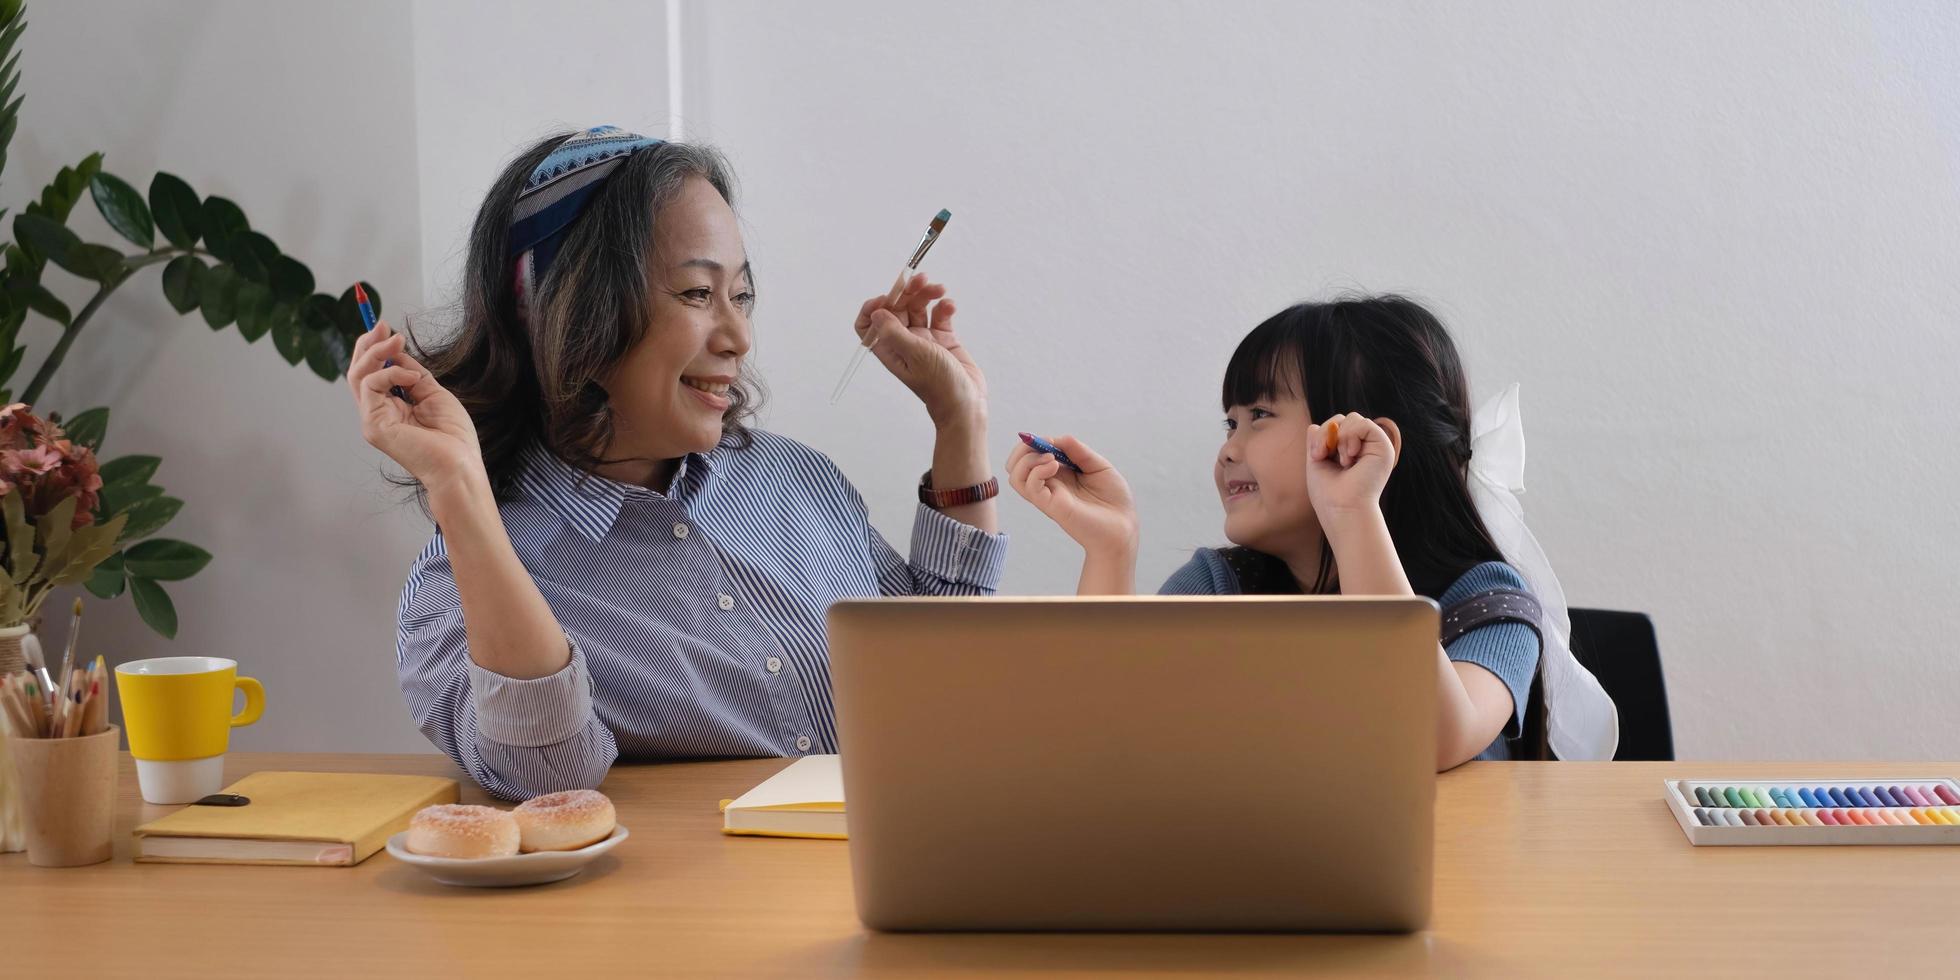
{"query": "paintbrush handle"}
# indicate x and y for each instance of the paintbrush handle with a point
(898, 288)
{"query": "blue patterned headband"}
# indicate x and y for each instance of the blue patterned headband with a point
(559, 189)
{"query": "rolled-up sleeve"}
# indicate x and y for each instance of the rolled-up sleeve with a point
(948, 558)
(516, 738)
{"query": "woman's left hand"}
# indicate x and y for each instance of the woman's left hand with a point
(1346, 482)
(914, 340)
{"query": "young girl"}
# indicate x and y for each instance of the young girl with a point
(1373, 500)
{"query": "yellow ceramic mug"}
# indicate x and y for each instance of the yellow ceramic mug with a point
(177, 711)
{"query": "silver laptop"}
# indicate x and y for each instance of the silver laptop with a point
(1166, 763)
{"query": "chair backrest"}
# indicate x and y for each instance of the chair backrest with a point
(1620, 649)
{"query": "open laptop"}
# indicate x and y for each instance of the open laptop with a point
(1163, 763)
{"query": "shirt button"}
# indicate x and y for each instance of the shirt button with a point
(775, 665)
(680, 530)
(802, 743)
(726, 602)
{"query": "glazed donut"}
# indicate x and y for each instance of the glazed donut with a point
(461, 831)
(564, 821)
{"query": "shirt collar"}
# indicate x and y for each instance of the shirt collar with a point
(591, 503)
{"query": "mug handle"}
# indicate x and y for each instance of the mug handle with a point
(254, 701)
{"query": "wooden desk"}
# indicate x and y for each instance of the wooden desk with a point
(1563, 869)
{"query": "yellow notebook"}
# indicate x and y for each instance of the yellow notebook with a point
(804, 800)
(315, 818)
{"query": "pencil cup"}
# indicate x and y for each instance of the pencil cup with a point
(68, 795)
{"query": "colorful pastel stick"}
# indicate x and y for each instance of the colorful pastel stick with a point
(1887, 795)
(1870, 793)
(1824, 817)
(1944, 793)
(1701, 796)
(1782, 799)
(1918, 797)
(1837, 798)
(1898, 793)
(1805, 795)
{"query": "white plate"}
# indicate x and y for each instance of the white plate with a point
(536, 868)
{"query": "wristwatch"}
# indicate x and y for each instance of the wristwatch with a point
(942, 499)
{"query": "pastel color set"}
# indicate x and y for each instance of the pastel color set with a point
(1831, 811)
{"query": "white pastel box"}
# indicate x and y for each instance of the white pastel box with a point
(1731, 812)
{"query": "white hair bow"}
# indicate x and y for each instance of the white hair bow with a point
(1581, 722)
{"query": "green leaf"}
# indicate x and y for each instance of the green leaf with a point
(222, 222)
(98, 262)
(116, 498)
(21, 557)
(166, 560)
(180, 282)
(154, 605)
(90, 546)
(252, 253)
(88, 428)
(44, 237)
(59, 197)
(108, 580)
(288, 336)
(217, 294)
(123, 208)
(291, 279)
(55, 527)
(129, 469)
(178, 213)
(254, 310)
(150, 516)
(47, 304)
(327, 354)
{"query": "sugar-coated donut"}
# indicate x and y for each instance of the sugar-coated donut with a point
(462, 831)
(564, 821)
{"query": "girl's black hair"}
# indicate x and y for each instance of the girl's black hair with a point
(1381, 356)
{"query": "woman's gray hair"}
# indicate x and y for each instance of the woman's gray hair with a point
(534, 374)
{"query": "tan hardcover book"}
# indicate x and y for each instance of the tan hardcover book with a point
(314, 818)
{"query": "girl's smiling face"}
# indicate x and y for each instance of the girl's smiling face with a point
(1261, 474)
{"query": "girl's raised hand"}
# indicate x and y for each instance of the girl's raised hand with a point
(1093, 507)
(1349, 458)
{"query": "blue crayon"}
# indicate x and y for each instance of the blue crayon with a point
(1867, 795)
(1838, 798)
(1776, 793)
(1040, 445)
(1808, 800)
(1885, 797)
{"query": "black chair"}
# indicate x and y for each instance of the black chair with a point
(1619, 648)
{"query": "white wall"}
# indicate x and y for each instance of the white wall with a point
(277, 107)
(1714, 242)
